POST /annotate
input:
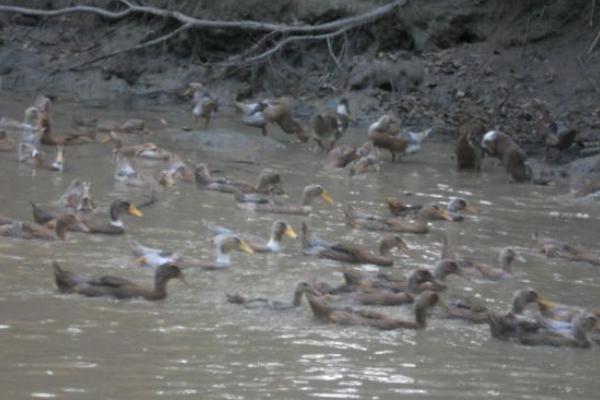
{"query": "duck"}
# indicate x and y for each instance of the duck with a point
(116, 287)
(280, 112)
(42, 103)
(365, 164)
(268, 181)
(263, 303)
(205, 105)
(418, 280)
(253, 114)
(513, 324)
(77, 196)
(577, 336)
(6, 144)
(28, 230)
(360, 220)
(224, 244)
(467, 150)
(86, 202)
(506, 256)
(348, 253)
(279, 229)
(502, 146)
(559, 316)
(126, 174)
(347, 316)
(268, 205)
(382, 134)
(331, 125)
(456, 206)
(179, 169)
(341, 155)
(556, 248)
(114, 227)
(149, 151)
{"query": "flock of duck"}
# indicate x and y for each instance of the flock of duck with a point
(551, 324)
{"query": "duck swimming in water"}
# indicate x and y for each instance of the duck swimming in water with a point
(116, 287)
(268, 182)
(114, 227)
(361, 220)
(279, 229)
(512, 324)
(28, 230)
(456, 206)
(268, 205)
(347, 316)
(584, 323)
(263, 303)
(224, 244)
(556, 248)
(348, 253)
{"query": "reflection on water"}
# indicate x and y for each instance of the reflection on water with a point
(195, 345)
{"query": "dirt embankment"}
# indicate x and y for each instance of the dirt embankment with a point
(431, 62)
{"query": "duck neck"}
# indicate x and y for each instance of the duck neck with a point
(297, 300)
(223, 259)
(160, 288)
(274, 243)
(114, 215)
(506, 264)
(306, 199)
(421, 315)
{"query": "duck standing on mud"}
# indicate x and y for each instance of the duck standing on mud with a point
(205, 105)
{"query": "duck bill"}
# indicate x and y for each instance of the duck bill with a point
(245, 247)
(188, 92)
(469, 208)
(327, 198)
(544, 302)
(289, 232)
(520, 258)
(133, 210)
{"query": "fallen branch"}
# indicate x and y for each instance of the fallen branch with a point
(324, 31)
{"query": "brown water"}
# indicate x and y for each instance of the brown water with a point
(197, 346)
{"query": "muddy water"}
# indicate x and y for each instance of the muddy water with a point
(197, 346)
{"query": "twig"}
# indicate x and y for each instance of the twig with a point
(332, 54)
(594, 43)
(290, 39)
(587, 74)
(128, 49)
(204, 23)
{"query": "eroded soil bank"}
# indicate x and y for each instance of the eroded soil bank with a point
(432, 63)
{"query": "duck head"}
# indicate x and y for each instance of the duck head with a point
(314, 191)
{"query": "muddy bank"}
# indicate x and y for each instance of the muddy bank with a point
(512, 64)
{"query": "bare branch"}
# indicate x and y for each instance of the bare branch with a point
(204, 23)
(128, 49)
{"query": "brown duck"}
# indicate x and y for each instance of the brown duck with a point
(262, 303)
(349, 253)
(556, 248)
(28, 230)
(268, 182)
(323, 311)
(361, 220)
(514, 160)
(467, 150)
(265, 204)
(113, 286)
